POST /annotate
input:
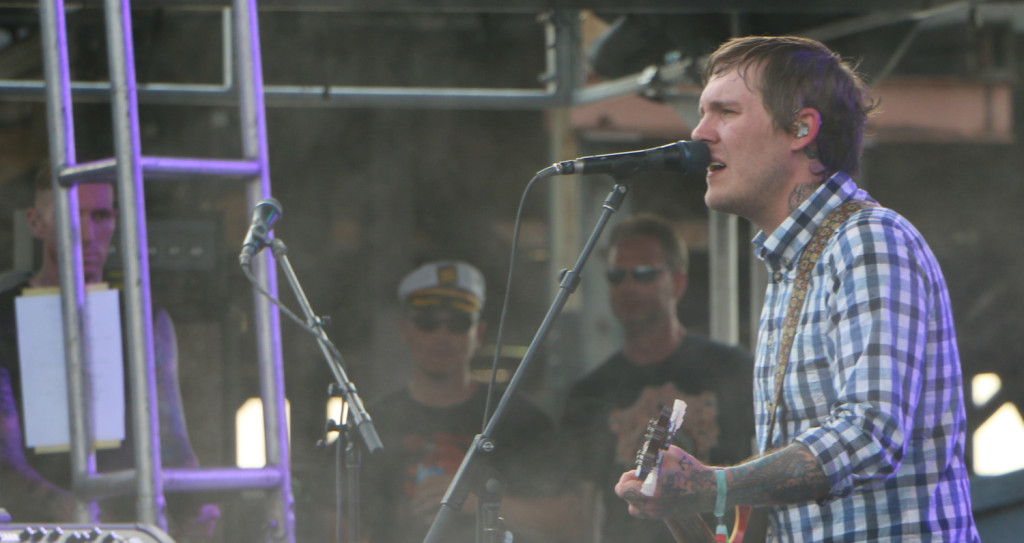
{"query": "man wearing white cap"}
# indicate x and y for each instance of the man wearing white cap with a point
(427, 425)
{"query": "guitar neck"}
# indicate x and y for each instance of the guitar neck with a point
(692, 529)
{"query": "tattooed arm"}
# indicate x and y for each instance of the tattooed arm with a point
(685, 486)
(789, 475)
(175, 446)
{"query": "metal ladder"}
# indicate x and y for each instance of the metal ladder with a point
(149, 480)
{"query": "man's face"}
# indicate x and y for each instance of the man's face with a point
(98, 220)
(442, 340)
(751, 165)
(647, 291)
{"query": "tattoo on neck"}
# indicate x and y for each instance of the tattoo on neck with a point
(800, 193)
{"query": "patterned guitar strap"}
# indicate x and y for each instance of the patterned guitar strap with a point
(796, 303)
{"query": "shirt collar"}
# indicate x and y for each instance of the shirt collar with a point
(781, 248)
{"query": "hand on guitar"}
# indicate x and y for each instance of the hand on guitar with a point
(685, 487)
(670, 484)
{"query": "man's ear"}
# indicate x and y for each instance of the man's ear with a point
(679, 281)
(32, 218)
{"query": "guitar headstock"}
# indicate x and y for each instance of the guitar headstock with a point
(657, 438)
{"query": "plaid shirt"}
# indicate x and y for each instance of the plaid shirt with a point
(873, 387)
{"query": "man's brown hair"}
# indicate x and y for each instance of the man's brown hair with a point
(797, 73)
(658, 228)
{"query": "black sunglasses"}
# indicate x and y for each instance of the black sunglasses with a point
(430, 321)
(641, 274)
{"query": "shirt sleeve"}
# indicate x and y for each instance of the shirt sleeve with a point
(879, 281)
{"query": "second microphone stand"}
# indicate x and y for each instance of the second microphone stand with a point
(357, 418)
(470, 471)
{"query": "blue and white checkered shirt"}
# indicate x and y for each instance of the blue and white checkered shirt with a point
(873, 387)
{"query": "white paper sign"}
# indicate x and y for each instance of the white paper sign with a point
(44, 377)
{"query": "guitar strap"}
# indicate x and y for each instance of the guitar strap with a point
(797, 300)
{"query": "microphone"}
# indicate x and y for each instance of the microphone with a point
(263, 217)
(681, 156)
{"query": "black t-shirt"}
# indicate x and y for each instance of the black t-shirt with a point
(421, 440)
(713, 378)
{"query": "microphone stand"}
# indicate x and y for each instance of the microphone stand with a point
(349, 451)
(356, 410)
(347, 461)
(483, 446)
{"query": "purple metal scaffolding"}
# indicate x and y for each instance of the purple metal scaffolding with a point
(148, 480)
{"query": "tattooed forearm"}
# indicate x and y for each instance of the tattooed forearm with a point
(690, 490)
(790, 475)
(175, 446)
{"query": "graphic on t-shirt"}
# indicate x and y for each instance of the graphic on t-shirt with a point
(698, 434)
(425, 456)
